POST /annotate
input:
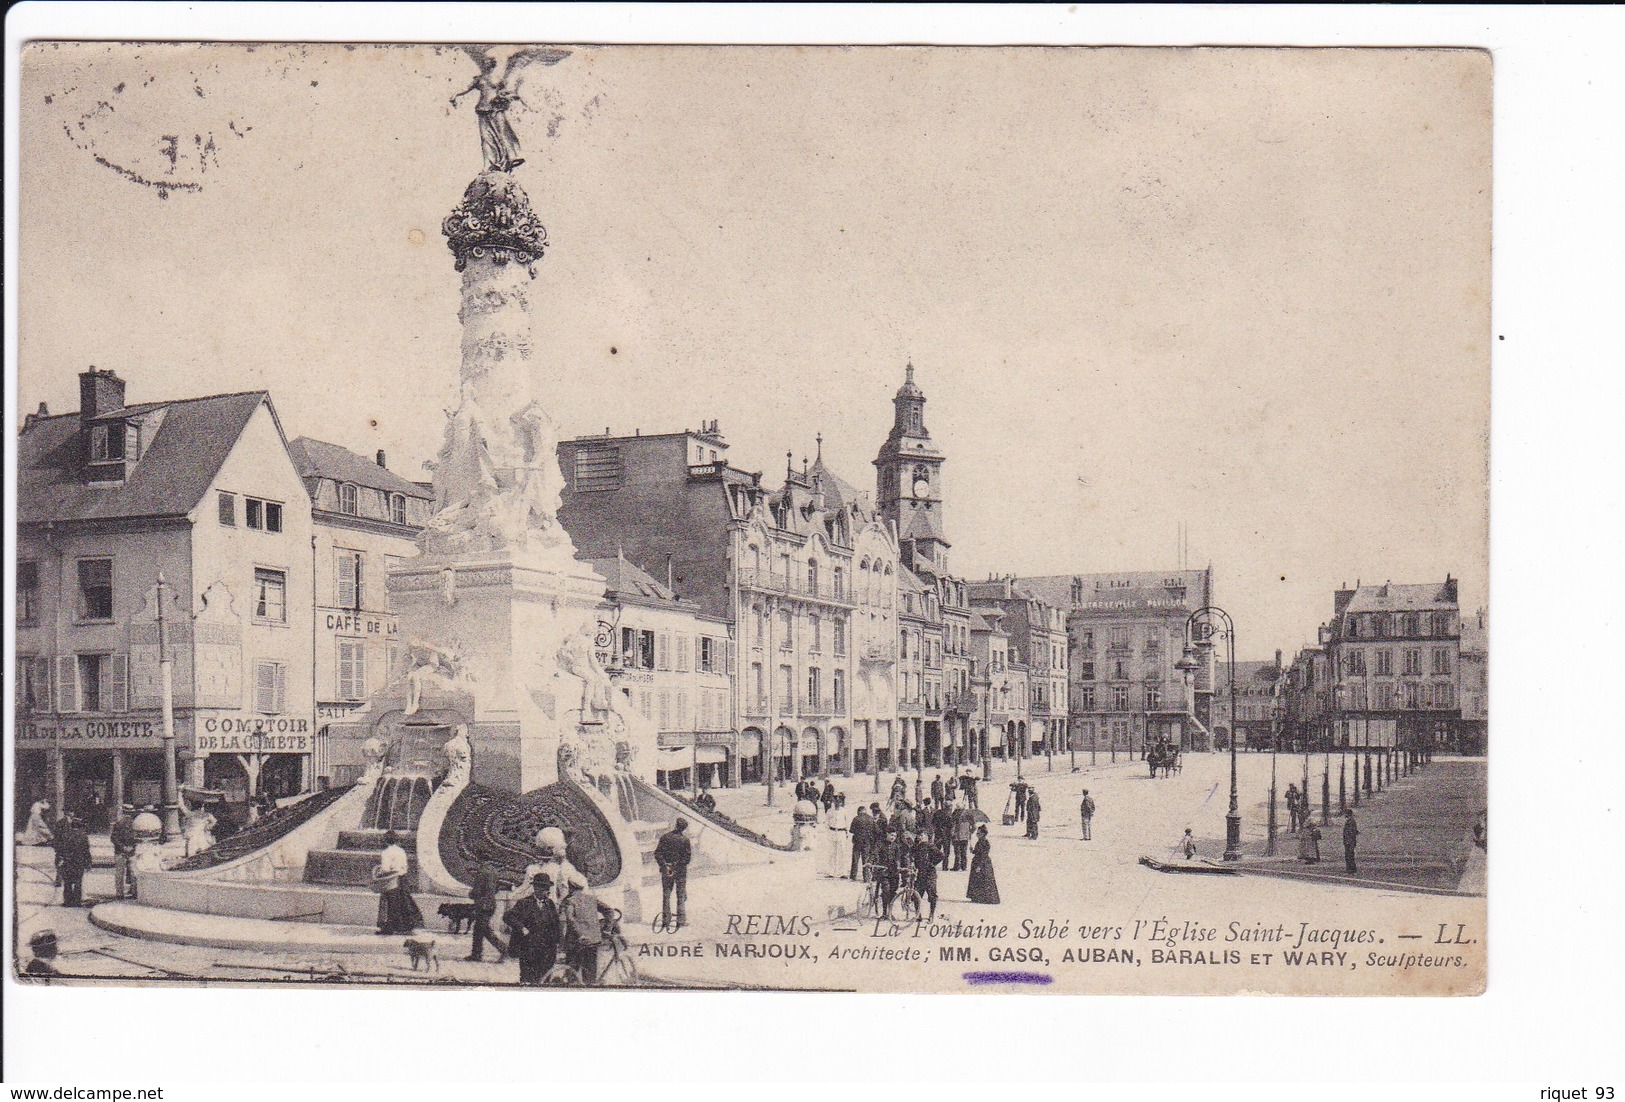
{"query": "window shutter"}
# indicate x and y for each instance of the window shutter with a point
(116, 684)
(281, 680)
(264, 686)
(67, 683)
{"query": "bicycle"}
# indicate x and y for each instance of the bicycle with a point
(869, 900)
(905, 903)
(908, 904)
(617, 971)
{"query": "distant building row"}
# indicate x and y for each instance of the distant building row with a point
(1395, 666)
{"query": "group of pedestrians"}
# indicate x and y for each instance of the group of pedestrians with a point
(554, 920)
(913, 843)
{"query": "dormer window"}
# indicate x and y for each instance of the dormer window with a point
(349, 498)
(106, 443)
(397, 508)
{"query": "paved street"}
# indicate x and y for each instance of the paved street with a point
(1412, 832)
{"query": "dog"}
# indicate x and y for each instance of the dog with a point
(422, 950)
(458, 916)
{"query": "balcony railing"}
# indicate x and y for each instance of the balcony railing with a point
(821, 706)
(765, 581)
(756, 706)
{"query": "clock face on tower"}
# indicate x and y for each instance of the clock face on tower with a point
(922, 489)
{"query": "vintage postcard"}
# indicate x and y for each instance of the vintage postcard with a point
(887, 519)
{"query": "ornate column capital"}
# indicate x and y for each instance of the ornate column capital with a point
(495, 221)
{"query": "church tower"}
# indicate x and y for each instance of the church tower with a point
(909, 484)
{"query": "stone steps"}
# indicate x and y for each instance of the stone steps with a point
(375, 840)
(350, 868)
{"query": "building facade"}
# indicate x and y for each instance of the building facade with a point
(203, 492)
(1125, 632)
(1036, 648)
(364, 517)
(1259, 704)
(1475, 683)
(782, 566)
(1308, 701)
(852, 641)
(672, 661)
(1396, 654)
(935, 706)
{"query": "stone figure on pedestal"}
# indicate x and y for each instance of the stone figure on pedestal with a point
(498, 143)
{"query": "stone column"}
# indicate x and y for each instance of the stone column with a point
(118, 780)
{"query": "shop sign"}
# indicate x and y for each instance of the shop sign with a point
(360, 623)
(110, 729)
(253, 735)
(337, 709)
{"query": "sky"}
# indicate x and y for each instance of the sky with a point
(1246, 291)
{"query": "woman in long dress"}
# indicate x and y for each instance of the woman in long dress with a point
(1309, 843)
(837, 855)
(398, 912)
(983, 887)
(38, 831)
(199, 831)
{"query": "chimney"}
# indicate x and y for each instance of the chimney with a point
(99, 392)
(28, 421)
(381, 462)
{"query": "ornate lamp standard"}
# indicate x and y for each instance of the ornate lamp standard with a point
(1214, 620)
(166, 669)
(1275, 748)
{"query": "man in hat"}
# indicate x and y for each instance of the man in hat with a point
(534, 929)
(122, 835)
(482, 892)
(942, 831)
(967, 785)
(964, 827)
(673, 853)
(582, 918)
(1087, 811)
(1351, 837)
(72, 847)
(926, 859)
(863, 828)
(43, 946)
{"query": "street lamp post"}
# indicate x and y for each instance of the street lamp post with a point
(166, 673)
(1215, 620)
(1275, 745)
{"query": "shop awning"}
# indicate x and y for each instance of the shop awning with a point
(683, 757)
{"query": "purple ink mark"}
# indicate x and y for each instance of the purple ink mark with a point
(979, 979)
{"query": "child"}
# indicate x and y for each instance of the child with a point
(1188, 844)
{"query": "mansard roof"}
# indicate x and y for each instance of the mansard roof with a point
(317, 459)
